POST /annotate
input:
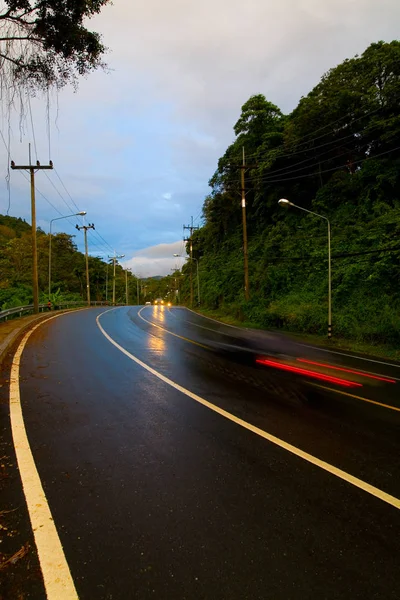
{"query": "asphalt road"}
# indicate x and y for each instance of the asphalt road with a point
(156, 495)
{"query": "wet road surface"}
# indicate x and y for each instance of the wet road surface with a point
(154, 495)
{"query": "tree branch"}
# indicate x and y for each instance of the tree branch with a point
(12, 39)
(18, 63)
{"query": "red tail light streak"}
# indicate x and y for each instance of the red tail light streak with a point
(336, 368)
(313, 374)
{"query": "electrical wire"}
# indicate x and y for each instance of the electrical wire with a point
(296, 144)
(32, 126)
(69, 195)
(70, 208)
(289, 169)
(355, 162)
(8, 176)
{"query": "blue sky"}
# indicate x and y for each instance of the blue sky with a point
(135, 147)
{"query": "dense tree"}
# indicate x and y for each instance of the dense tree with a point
(68, 268)
(45, 42)
(337, 153)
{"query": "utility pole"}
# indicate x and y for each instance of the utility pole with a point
(85, 228)
(137, 290)
(115, 260)
(32, 169)
(189, 239)
(245, 252)
(107, 283)
(126, 286)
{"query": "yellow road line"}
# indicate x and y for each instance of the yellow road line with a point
(359, 483)
(323, 387)
(170, 332)
(56, 574)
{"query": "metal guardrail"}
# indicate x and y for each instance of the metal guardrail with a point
(18, 311)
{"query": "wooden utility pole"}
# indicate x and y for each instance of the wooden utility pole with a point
(32, 169)
(115, 260)
(189, 239)
(126, 286)
(244, 221)
(85, 228)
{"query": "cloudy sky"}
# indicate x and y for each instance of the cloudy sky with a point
(135, 147)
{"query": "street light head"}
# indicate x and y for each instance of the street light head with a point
(82, 213)
(284, 202)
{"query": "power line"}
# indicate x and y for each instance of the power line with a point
(62, 183)
(288, 172)
(334, 256)
(355, 162)
(32, 125)
(76, 206)
(105, 242)
(8, 176)
(71, 208)
(296, 144)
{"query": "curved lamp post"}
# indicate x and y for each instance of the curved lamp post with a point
(82, 213)
(284, 202)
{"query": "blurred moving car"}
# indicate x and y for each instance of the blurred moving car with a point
(158, 301)
(148, 302)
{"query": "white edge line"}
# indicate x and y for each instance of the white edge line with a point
(315, 347)
(359, 483)
(378, 362)
(56, 574)
(215, 320)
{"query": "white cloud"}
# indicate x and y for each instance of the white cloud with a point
(156, 260)
(161, 118)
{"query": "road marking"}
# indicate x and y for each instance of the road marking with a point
(56, 574)
(170, 332)
(366, 487)
(323, 387)
(378, 362)
(216, 320)
(203, 326)
(352, 371)
(311, 383)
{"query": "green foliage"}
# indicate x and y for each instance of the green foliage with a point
(336, 154)
(47, 42)
(68, 273)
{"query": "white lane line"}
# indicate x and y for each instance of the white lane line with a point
(315, 347)
(378, 362)
(181, 337)
(56, 574)
(359, 483)
(216, 320)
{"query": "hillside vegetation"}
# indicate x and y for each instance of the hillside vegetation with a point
(68, 271)
(338, 154)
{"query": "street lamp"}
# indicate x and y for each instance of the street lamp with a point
(197, 268)
(82, 213)
(284, 202)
